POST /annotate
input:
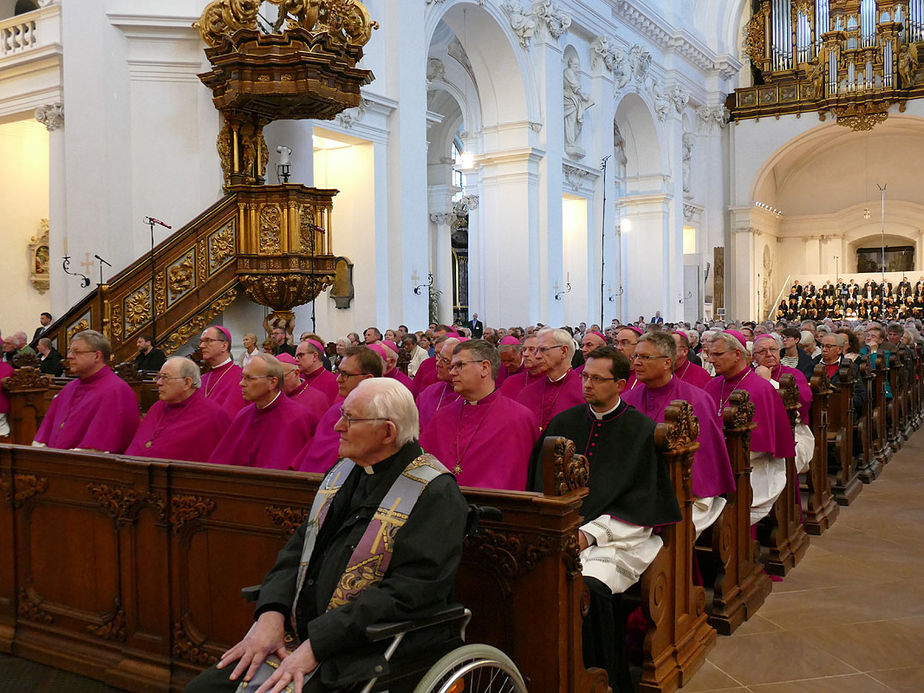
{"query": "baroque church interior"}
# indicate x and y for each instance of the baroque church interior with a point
(531, 161)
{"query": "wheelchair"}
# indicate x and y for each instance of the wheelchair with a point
(470, 668)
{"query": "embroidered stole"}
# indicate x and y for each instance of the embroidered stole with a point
(372, 555)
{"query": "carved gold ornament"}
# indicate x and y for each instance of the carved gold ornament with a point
(861, 117)
(82, 324)
(137, 309)
(198, 322)
(270, 219)
(344, 21)
(181, 276)
(39, 256)
(221, 247)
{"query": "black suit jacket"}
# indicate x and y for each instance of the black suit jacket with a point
(36, 337)
(859, 387)
(477, 328)
(51, 364)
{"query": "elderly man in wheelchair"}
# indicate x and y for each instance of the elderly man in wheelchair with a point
(381, 545)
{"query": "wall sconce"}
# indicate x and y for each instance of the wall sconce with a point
(84, 279)
(561, 292)
(614, 294)
(682, 298)
(420, 287)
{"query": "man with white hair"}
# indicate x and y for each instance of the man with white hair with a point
(182, 424)
(530, 373)
(560, 388)
(271, 430)
(98, 410)
(335, 577)
(771, 440)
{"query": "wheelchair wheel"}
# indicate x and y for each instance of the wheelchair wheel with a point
(473, 669)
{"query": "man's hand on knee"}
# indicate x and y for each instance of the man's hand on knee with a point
(265, 637)
(300, 662)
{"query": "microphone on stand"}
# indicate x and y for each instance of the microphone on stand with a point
(153, 220)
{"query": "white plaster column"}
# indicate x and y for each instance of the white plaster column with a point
(407, 229)
(600, 221)
(646, 231)
(52, 117)
(672, 307)
(504, 231)
(709, 156)
(548, 66)
(739, 266)
(442, 269)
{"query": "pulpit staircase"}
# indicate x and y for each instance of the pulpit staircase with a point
(271, 242)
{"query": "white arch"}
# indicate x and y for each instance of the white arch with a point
(637, 124)
(495, 53)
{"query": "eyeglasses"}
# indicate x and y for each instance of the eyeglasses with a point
(544, 349)
(162, 376)
(350, 420)
(440, 359)
(646, 357)
(764, 352)
(830, 346)
(206, 340)
(457, 366)
(251, 378)
(594, 379)
(75, 352)
(345, 375)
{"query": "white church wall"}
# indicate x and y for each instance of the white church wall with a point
(24, 201)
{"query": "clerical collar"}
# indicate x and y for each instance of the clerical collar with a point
(558, 380)
(486, 399)
(271, 402)
(222, 364)
(599, 416)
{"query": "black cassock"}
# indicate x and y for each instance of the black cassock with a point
(629, 481)
(419, 581)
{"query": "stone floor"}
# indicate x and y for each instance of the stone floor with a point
(850, 617)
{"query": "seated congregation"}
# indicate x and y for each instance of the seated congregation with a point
(708, 483)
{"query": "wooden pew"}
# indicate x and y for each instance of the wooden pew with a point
(906, 389)
(895, 405)
(846, 485)
(788, 540)
(679, 636)
(129, 570)
(740, 585)
(30, 393)
(866, 455)
(818, 505)
(881, 445)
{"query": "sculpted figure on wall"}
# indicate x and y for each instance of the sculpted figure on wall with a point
(576, 102)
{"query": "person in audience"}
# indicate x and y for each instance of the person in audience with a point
(281, 342)
(359, 363)
(510, 351)
(182, 424)
(6, 370)
(440, 393)
(222, 382)
(531, 372)
(308, 354)
(149, 359)
(389, 352)
(833, 358)
(590, 341)
(18, 347)
(794, 355)
(426, 373)
(51, 361)
(372, 335)
(626, 339)
(332, 579)
(271, 430)
(560, 386)
(772, 440)
(766, 353)
(300, 391)
(684, 368)
(45, 320)
(630, 493)
(659, 385)
(98, 410)
(250, 349)
(483, 437)
(417, 354)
